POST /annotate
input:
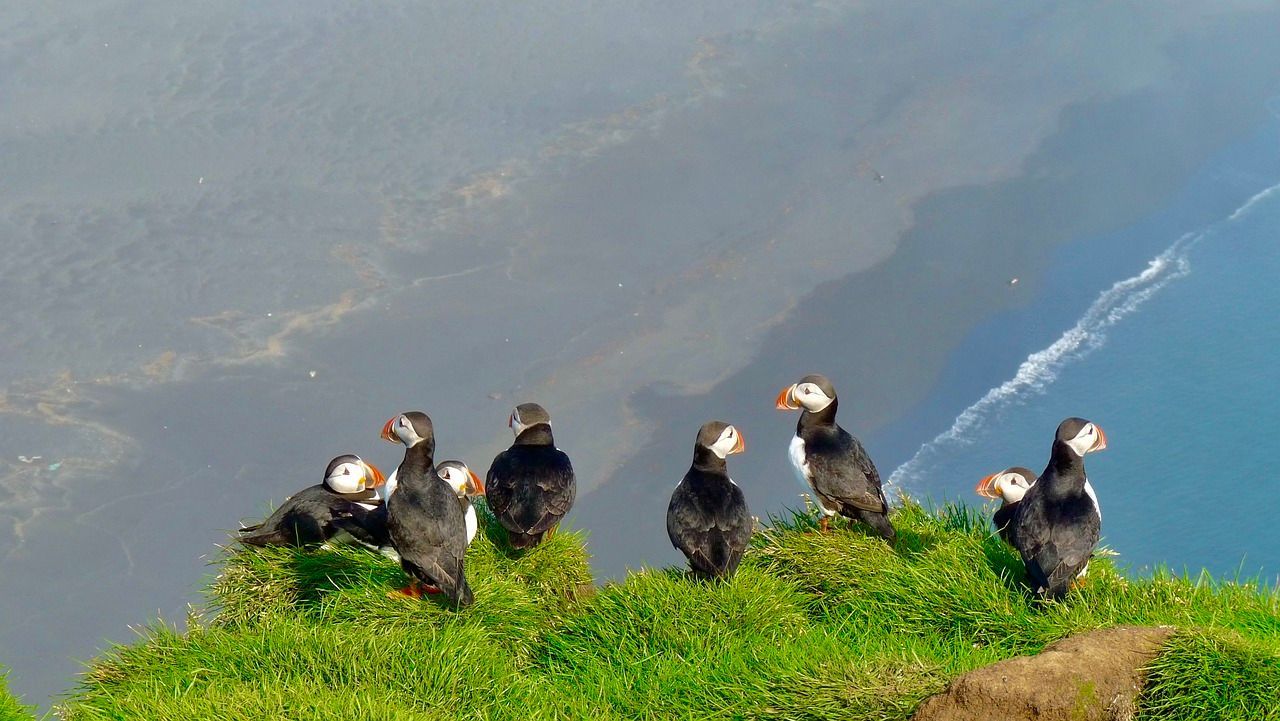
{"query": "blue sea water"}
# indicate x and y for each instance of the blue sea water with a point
(1175, 355)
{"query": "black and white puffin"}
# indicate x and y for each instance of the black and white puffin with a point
(1009, 485)
(425, 520)
(708, 519)
(1058, 522)
(830, 460)
(311, 515)
(530, 486)
(371, 530)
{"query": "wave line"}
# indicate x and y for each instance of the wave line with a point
(1041, 368)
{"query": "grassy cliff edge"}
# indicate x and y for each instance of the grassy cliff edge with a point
(814, 626)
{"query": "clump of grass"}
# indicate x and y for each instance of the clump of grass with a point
(815, 625)
(1213, 675)
(10, 708)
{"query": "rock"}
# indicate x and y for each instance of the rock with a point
(1094, 676)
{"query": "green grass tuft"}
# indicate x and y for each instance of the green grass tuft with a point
(814, 626)
(11, 709)
(1218, 676)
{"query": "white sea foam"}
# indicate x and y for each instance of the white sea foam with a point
(1041, 368)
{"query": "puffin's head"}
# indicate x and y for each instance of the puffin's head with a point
(1081, 436)
(813, 393)
(410, 428)
(350, 474)
(721, 438)
(461, 478)
(525, 415)
(1011, 484)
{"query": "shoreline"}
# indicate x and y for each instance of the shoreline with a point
(1203, 201)
(890, 390)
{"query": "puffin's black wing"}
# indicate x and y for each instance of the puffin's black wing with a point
(842, 471)
(530, 488)
(367, 526)
(1003, 520)
(429, 531)
(711, 528)
(305, 518)
(1055, 541)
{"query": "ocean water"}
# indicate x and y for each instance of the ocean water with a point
(1176, 360)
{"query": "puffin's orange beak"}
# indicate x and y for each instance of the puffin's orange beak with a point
(740, 446)
(1101, 444)
(375, 476)
(477, 485)
(986, 487)
(387, 435)
(787, 399)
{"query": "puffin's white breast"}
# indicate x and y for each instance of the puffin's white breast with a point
(797, 455)
(472, 524)
(1088, 488)
(386, 489)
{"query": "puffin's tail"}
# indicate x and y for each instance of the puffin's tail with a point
(463, 595)
(878, 521)
(254, 536)
(454, 586)
(523, 540)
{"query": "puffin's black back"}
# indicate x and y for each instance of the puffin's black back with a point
(428, 528)
(1056, 525)
(841, 472)
(530, 486)
(708, 520)
(307, 518)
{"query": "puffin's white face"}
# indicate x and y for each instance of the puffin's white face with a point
(1089, 439)
(514, 423)
(729, 442)
(804, 395)
(461, 478)
(353, 478)
(401, 429)
(1009, 486)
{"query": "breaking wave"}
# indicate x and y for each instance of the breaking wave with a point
(1041, 368)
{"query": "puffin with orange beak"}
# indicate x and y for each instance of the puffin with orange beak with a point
(313, 515)
(1009, 485)
(1058, 522)
(831, 461)
(371, 530)
(708, 519)
(426, 521)
(530, 486)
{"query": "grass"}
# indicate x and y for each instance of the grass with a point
(10, 708)
(814, 626)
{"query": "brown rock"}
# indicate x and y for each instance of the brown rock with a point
(1095, 676)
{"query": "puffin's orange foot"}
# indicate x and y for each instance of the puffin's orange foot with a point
(413, 590)
(824, 524)
(1077, 583)
(550, 532)
(430, 589)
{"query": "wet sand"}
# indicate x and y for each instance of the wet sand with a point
(841, 192)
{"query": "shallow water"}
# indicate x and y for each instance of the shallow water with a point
(1175, 362)
(239, 239)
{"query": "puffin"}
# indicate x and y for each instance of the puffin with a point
(311, 515)
(832, 462)
(707, 519)
(1058, 522)
(530, 486)
(1009, 485)
(371, 531)
(426, 522)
